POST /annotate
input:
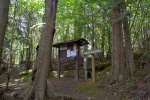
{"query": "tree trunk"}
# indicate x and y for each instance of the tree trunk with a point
(11, 48)
(109, 45)
(42, 63)
(103, 45)
(128, 47)
(118, 62)
(4, 9)
(28, 54)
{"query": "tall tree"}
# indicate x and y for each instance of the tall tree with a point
(127, 38)
(42, 63)
(11, 44)
(118, 61)
(4, 9)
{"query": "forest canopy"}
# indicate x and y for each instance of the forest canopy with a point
(75, 19)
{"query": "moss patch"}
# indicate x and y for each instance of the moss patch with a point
(104, 73)
(2, 79)
(87, 88)
(91, 89)
(25, 75)
(139, 73)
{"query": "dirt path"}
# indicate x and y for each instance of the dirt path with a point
(67, 87)
(15, 85)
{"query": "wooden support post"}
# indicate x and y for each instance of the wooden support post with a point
(77, 65)
(93, 68)
(85, 59)
(59, 64)
(58, 69)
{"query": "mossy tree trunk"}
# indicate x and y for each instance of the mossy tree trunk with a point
(43, 60)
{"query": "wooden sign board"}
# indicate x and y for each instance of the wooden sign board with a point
(68, 51)
(93, 51)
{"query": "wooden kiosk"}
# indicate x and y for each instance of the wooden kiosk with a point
(67, 50)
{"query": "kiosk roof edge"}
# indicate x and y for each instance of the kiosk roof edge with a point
(80, 42)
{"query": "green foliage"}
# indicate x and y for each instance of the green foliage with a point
(91, 89)
(88, 88)
(139, 73)
(148, 73)
(23, 15)
(76, 19)
(121, 90)
(148, 55)
(104, 73)
(129, 84)
(25, 76)
(2, 79)
(27, 72)
(61, 97)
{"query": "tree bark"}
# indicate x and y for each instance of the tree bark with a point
(42, 63)
(4, 9)
(109, 45)
(11, 47)
(128, 47)
(118, 61)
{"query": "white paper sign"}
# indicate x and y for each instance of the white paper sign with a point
(68, 53)
(71, 53)
(84, 59)
(74, 52)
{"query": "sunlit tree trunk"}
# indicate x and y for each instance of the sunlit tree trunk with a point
(42, 63)
(29, 44)
(4, 9)
(118, 61)
(11, 48)
(103, 45)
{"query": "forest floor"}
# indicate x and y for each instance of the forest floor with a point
(102, 90)
(67, 88)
